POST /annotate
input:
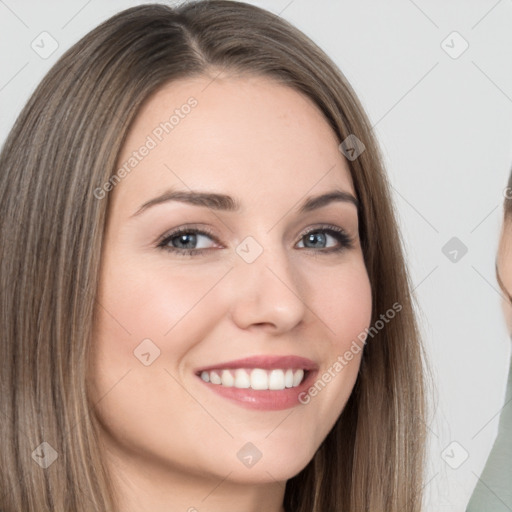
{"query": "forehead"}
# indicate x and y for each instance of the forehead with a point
(243, 133)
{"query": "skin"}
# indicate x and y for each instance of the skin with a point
(505, 270)
(171, 443)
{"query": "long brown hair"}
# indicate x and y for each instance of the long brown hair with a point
(63, 147)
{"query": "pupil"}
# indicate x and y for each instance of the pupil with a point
(186, 238)
(316, 237)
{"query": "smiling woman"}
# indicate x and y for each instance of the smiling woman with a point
(204, 300)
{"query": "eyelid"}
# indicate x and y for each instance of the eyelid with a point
(186, 228)
(325, 227)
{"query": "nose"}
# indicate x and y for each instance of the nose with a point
(267, 293)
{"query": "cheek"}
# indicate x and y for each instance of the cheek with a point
(343, 301)
(140, 320)
(140, 302)
(147, 323)
(162, 314)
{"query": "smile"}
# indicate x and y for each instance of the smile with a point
(262, 382)
(255, 378)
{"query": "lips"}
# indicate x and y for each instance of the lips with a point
(260, 382)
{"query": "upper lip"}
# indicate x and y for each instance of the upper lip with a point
(265, 362)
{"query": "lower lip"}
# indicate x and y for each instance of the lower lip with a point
(264, 399)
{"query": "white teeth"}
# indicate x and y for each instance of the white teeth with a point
(256, 378)
(297, 377)
(242, 379)
(288, 378)
(227, 379)
(259, 379)
(214, 378)
(276, 379)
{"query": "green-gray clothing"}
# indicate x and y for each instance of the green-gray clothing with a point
(493, 492)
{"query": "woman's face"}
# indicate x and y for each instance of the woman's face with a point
(241, 280)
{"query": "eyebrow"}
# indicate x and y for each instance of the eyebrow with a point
(227, 203)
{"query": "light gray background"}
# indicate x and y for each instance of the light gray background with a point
(445, 128)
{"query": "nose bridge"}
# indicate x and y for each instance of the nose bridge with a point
(267, 289)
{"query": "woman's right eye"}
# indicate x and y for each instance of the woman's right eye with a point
(186, 241)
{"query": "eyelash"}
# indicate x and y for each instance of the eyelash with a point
(344, 240)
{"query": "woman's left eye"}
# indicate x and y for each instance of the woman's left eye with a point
(320, 237)
(188, 241)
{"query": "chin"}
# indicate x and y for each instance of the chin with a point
(271, 468)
